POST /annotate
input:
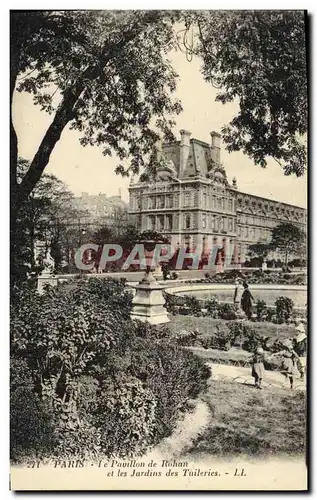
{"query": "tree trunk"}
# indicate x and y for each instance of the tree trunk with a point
(286, 258)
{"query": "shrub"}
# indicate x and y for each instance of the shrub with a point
(187, 338)
(212, 307)
(174, 375)
(174, 276)
(261, 310)
(243, 336)
(227, 311)
(193, 305)
(283, 309)
(125, 416)
(31, 420)
(173, 303)
(207, 275)
(113, 386)
(251, 341)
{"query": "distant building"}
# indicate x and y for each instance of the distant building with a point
(192, 201)
(100, 209)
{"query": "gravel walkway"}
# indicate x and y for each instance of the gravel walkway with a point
(243, 376)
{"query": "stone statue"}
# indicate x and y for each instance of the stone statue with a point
(48, 263)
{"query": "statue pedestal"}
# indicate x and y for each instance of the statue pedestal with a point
(45, 279)
(148, 302)
(157, 273)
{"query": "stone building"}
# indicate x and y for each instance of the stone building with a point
(192, 201)
(100, 209)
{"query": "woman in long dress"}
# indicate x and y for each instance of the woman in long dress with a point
(237, 292)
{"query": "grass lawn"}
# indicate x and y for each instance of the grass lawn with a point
(250, 422)
(207, 326)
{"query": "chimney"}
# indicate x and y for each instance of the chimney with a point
(184, 150)
(215, 147)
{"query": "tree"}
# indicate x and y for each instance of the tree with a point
(113, 86)
(46, 216)
(288, 239)
(258, 59)
(259, 250)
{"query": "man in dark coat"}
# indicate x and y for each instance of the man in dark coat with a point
(246, 301)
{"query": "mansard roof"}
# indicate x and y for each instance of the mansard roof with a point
(198, 163)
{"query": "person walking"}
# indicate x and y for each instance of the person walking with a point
(246, 300)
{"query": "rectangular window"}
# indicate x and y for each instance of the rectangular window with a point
(230, 225)
(204, 200)
(187, 200)
(169, 220)
(151, 223)
(230, 205)
(169, 202)
(161, 222)
(203, 220)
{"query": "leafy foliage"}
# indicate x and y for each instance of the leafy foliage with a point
(261, 309)
(114, 87)
(258, 59)
(227, 311)
(259, 250)
(287, 238)
(31, 421)
(284, 308)
(111, 385)
(212, 307)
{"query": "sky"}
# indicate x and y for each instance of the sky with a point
(85, 169)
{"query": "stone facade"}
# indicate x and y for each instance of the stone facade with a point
(192, 201)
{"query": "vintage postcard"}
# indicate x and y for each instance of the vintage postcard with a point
(158, 225)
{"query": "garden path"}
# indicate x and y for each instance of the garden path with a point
(242, 375)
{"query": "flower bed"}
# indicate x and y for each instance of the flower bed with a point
(257, 277)
(187, 305)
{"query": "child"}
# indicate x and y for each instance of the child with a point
(258, 367)
(289, 361)
(300, 347)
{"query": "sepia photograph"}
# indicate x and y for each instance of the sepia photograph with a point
(158, 250)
